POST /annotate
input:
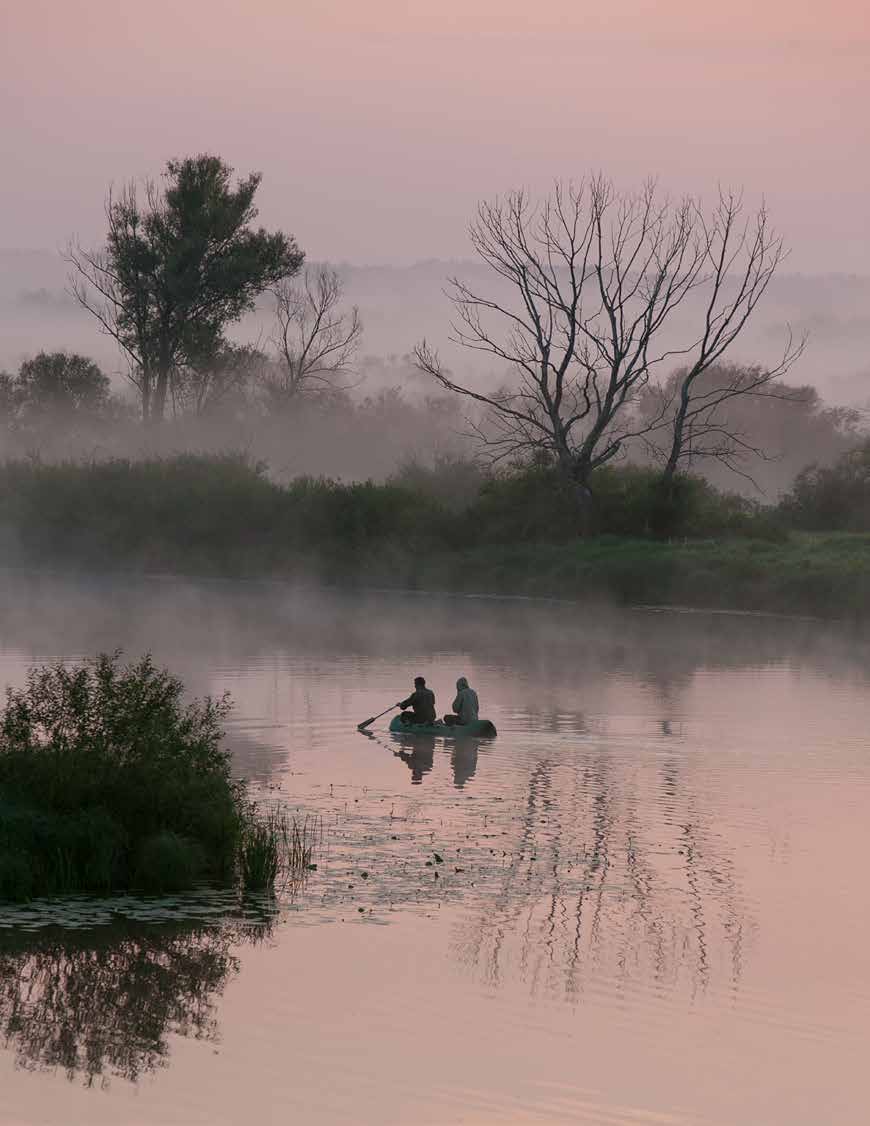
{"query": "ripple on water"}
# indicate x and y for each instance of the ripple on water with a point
(662, 853)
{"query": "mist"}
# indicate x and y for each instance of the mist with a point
(387, 413)
(401, 305)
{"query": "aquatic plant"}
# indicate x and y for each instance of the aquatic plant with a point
(300, 843)
(260, 853)
(275, 846)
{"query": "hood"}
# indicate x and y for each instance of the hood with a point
(461, 683)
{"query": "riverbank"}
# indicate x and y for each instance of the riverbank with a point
(815, 574)
(809, 574)
(223, 517)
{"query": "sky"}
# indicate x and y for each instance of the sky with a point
(378, 124)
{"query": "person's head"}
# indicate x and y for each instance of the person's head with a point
(461, 683)
(419, 681)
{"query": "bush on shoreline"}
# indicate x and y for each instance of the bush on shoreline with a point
(451, 526)
(832, 498)
(224, 515)
(109, 782)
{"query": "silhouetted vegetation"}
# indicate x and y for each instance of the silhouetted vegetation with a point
(109, 781)
(224, 514)
(451, 526)
(181, 262)
(57, 392)
(762, 435)
(596, 278)
(272, 846)
(833, 497)
(104, 1002)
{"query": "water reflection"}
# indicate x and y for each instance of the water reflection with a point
(103, 1003)
(463, 760)
(655, 869)
(418, 754)
(614, 879)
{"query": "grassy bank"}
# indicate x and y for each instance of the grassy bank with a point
(109, 782)
(817, 574)
(443, 529)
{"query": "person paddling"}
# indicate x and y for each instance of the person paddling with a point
(422, 704)
(466, 706)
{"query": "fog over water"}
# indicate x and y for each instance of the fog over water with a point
(644, 901)
(649, 884)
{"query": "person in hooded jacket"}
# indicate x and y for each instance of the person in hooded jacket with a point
(466, 706)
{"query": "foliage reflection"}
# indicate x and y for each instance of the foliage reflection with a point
(105, 1002)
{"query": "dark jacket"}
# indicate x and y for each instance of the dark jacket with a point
(422, 702)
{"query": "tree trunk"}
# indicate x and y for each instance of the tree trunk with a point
(145, 390)
(584, 508)
(678, 436)
(670, 505)
(158, 398)
(577, 483)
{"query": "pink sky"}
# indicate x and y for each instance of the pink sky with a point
(379, 125)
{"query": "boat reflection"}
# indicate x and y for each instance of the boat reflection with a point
(418, 754)
(463, 760)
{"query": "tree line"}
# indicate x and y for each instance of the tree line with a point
(610, 317)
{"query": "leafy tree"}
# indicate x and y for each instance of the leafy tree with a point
(60, 383)
(179, 265)
(222, 382)
(8, 398)
(834, 497)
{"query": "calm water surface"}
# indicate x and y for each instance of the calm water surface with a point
(646, 901)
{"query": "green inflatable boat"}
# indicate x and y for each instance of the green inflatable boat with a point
(482, 728)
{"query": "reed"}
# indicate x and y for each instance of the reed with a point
(276, 846)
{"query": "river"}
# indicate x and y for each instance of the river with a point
(645, 901)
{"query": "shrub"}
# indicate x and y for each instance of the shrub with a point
(108, 776)
(222, 514)
(834, 498)
(16, 876)
(168, 863)
(453, 483)
(523, 506)
(64, 851)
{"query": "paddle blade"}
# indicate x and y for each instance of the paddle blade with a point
(366, 723)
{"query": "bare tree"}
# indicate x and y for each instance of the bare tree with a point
(742, 258)
(693, 417)
(595, 279)
(315, 339)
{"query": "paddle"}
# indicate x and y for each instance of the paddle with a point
(368, 722)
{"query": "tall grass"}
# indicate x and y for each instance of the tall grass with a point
(274, 847)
